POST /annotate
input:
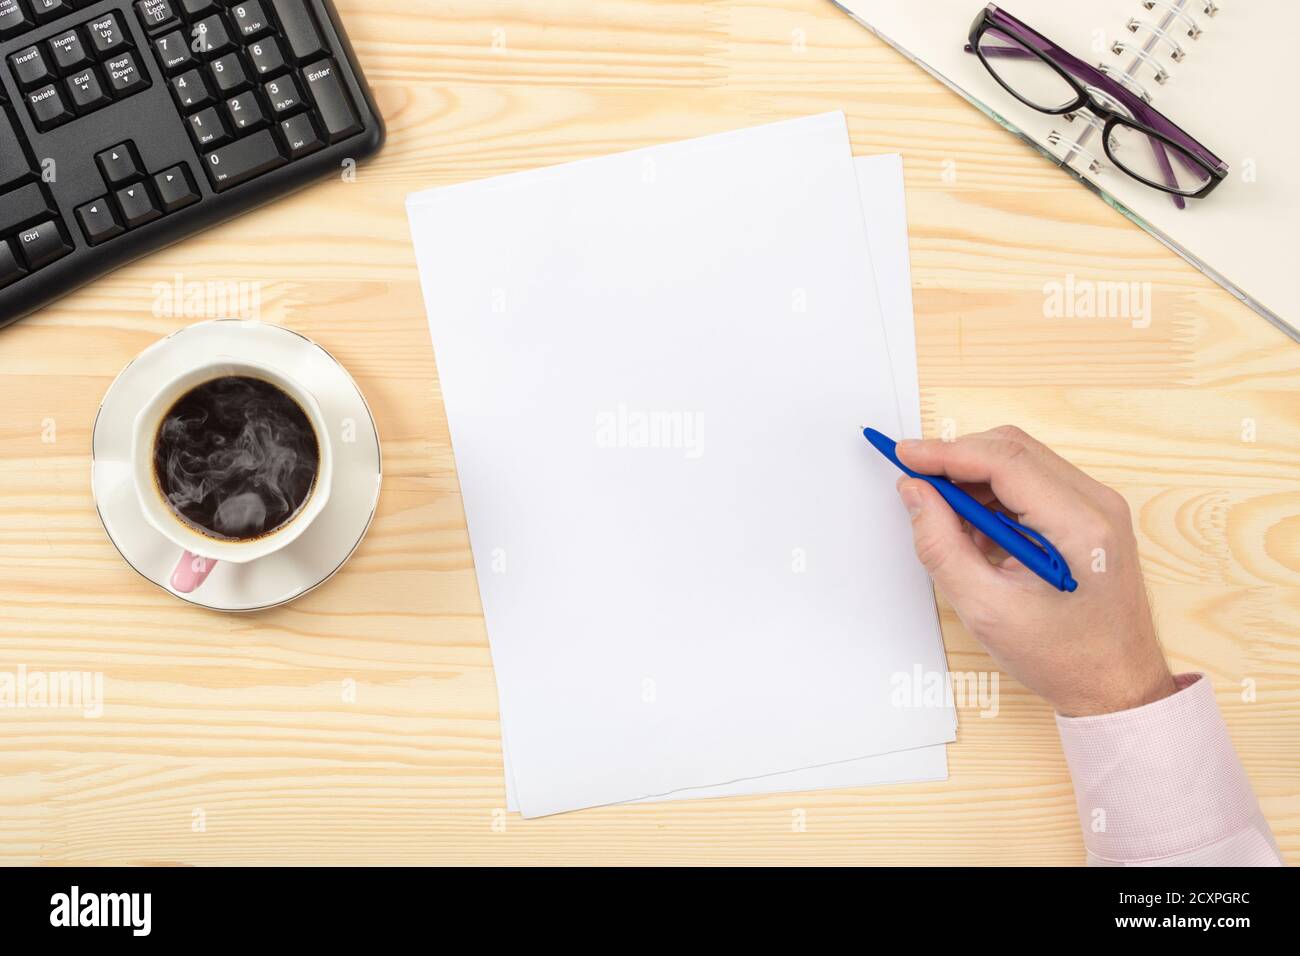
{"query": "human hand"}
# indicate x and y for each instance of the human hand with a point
(1093, 651)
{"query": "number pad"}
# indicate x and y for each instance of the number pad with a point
(193, 9)
(228, 74)
(191, 91)
(208, 129)
(283, 95)
(245, 112)
(255, 80)
(250, 19)
(174, 53)
(156, 15)
(266, 56)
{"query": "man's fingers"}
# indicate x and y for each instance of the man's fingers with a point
(1024, 475)
(958, 567)
(988, 547)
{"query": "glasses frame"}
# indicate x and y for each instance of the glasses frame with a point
(1081, 77)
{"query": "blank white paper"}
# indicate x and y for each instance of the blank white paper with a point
(656, 367)
(884, 206)
(880, 183)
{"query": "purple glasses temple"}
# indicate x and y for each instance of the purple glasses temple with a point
(1041, 75)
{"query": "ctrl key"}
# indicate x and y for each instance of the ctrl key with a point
(42, 244)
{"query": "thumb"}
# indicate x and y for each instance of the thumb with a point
(959, 569)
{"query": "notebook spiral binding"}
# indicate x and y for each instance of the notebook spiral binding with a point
(1176, 17)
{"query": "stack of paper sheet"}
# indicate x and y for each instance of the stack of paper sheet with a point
(696, 575)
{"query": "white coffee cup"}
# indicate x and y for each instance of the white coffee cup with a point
(199, 552)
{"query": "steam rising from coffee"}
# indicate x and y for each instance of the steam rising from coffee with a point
(236, 458)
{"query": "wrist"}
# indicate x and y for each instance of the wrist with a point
(1127, 689)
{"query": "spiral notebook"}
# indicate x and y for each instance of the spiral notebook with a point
(1229, 85)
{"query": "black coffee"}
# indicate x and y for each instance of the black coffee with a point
(236, 458)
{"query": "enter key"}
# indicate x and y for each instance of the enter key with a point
(332, 100)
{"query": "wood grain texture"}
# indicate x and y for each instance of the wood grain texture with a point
(243, 717)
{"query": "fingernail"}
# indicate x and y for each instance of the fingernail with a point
(911, 496)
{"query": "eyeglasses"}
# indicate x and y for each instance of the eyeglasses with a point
(1140, 140)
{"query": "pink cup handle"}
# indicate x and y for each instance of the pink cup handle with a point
(191, 571)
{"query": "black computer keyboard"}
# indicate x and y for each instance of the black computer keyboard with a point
(125, 126)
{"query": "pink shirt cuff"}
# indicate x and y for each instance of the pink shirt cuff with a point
(1162, 783)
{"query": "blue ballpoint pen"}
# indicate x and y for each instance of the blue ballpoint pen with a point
(1024, 544)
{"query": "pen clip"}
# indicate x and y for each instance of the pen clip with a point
(1037, 538)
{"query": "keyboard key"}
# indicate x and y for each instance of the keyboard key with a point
(11, 270)
(301, 135)
(84, 91)
(195, 8)
(67, 51)
(23, 205)
(209, 36)
(30, 67)
(14, 164)
(191, 90)
(119, 164)
(106, 35)
(47, 10)
(250, 19)
(208, 129)
(266, 56)
(175, 189)
(156, 15)
(124, 76)
(245, 112)
(242, 160)
(41, 245)
(136, 205)
(283, 94)
(228, 74)
(299, 28)
(174, 53)
(331, 100)
(13, 18)
(48, 108)
(98, 222)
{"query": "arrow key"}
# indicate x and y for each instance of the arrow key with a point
(175, 189)
(98, 221)
(136, 205)
(119, 164)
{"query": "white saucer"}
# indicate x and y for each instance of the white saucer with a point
(323, 548)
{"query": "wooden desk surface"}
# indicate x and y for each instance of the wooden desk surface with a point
(243, 717)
